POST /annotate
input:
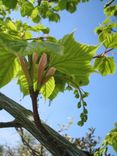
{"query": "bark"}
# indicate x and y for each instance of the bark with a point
(49, 138)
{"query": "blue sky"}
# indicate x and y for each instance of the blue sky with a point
(102, 103)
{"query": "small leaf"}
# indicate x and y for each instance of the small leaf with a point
(39, 28)
(76, 93)
(71, 7)
(35, 15)
(85, 94)
(62, 4)
(27, 35)
(36, 19)
(85, 111)
(84, 103)
(48, 88)
(79, 104)
(51, 71)
(22, 82)
(111, 139)
(11, 4)
(11, 25)
(105, 65)
(80, 123)
(108, 39)
(26, 9)
(68, 88)
(111, 10)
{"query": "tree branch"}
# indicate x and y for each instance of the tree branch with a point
(39, 2)
(51, 140)
(10, 124)
(36, 38)
(102, 54)
(108, 3)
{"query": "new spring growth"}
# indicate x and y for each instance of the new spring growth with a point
(35, 57)
(24, 66)
(51, 71)
(41, 66)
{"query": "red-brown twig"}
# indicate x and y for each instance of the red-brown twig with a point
(102, 54)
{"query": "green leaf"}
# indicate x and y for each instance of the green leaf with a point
(7, 68)
(59, 86)
(105, 65)
(81, 79)
(11, 4)
(111, 10)
(109, 40)
(80, 123)
(23, 47)
(32, 1)
(11, 44)
(76, 60)
(79, 104)
(48, 88)
(53, 16)
(11, 25)
(39, 28)
(22, 82)
(44, 46)
(35, 15)
(26, 9)
(27, 35)
(62, 4)
(111, 139)
(36, 19)
(8, 63)
(71, 7)
(69, 88)
(106, 21)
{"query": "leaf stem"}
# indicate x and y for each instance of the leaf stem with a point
(102, 54)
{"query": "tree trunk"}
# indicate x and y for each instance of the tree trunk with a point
(49, 138)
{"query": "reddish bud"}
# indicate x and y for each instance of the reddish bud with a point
(51, 72)
(35, 57)
(41, 66)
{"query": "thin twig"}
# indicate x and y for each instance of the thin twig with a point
(32, 151)
(39, 2)
(36, 38)
(108, 3)
(102, 54)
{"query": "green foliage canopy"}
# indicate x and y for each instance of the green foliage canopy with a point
(67, 64)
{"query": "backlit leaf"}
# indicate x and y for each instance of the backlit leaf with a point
(11, 25)
(11, 4)
(48, 88)
(7, 68)
(22, 82)
(111, 138)
(26, 9)
(109, 40)
(76, 60)
(105, 65)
